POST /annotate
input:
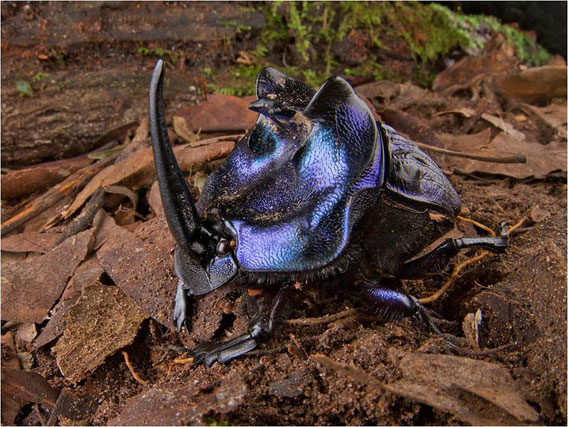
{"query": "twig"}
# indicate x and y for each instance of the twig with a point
(323, 319)
(131, 369)
(491, 159)
(486, 352)
(85, 218)
(73, 183)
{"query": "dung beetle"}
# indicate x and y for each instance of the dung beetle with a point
(315, 188)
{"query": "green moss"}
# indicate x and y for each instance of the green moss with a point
(313, 29)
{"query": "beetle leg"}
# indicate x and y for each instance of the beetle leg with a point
(436, 260)
(182, 306)
(391, 304)
(259, 329)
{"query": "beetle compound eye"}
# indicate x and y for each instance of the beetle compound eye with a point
(223, 247)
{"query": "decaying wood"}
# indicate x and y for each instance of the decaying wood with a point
(70, 122)
(73, 183)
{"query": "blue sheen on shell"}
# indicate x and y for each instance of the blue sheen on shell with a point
(295, 204)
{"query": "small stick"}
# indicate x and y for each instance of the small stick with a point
(131, 369)
(323, 319)
(85, 218)
(72, 183)
(477, 224)
(485, 352)
(490, 159)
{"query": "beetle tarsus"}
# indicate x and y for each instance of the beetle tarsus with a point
(259, 330)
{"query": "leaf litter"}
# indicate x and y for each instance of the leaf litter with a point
(119, 298)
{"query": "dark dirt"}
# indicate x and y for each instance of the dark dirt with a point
(380, 373)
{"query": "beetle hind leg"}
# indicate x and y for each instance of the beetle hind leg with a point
(436, 260)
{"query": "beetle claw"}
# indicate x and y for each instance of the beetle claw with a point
(182, 307)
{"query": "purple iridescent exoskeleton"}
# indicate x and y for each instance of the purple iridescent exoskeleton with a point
(316, 187)
(291, 187)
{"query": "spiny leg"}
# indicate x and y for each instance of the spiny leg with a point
(436, 260)
(260, 329)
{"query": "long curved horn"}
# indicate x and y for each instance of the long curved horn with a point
(181, 214)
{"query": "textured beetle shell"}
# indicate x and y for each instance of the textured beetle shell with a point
(295, 189)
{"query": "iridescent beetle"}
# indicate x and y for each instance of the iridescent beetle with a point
(316, 185)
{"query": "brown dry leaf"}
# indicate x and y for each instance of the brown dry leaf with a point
(181, 130)
(541, 159)
(88, 272)
(553, 115)
(138, 169)
(102, 321)
(73, 406)
(22, 387)
(155, 199)
(141, 264)
(453, 375)
(534, 85)
(31, 287)
(30, 242)
(470, 70)
(494, 120)
(505, 127)
(416, 128)
(220, 113)
(183, 404)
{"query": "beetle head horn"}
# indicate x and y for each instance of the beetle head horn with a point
(202, 258)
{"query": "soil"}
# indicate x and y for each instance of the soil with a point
(521, 294)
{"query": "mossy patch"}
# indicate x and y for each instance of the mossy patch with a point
(313, 40)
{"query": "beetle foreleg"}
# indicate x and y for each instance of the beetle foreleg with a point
(260, 329)
(182, 306)
(436, 260)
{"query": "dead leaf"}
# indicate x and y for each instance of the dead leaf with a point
(138, 169)
(40, 177)
(470, 70)
(220, 113)
(30, 242)
(181, 130)
(183, 404)
(73, 406)
(489, 381)
(538, 84)
(20, 388)
(88, 272)
(553, 115)
(541, 159)
(155, 199)
(102, 321)
(31, 287)
(141, 264)
(415, 128)
(504, 126)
